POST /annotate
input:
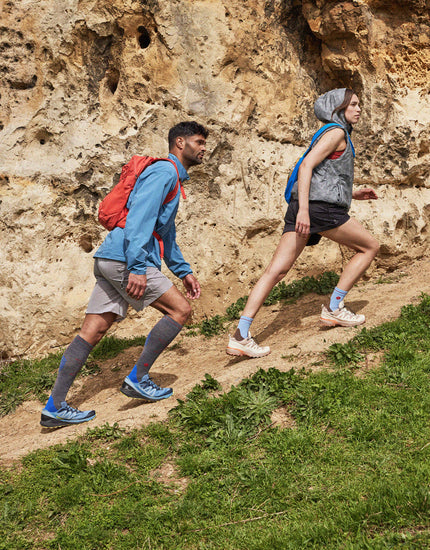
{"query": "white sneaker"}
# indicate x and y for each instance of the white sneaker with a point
(247, 347)
(341, 316)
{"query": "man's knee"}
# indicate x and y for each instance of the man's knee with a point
(96, 326)
(184, 312)
(178, 311)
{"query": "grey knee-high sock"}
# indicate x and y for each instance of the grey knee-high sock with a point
(71, 363)
(158, 339)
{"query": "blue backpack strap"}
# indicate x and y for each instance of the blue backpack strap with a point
(327, 127)
(294, 174)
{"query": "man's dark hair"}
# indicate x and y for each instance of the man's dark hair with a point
(186, 129)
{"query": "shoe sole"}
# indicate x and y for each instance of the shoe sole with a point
(49, 422)
(333, 323)
(130, 392)
(239, 352)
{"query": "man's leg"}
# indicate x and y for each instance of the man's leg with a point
(176, 311)
(74, 358)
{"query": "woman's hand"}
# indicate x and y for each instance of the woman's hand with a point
(364, 194)
(303, 223)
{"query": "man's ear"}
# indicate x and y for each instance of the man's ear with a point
(180, 142)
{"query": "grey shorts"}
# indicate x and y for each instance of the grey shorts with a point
(323, 216)
(109, 295)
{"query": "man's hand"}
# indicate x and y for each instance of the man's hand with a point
(192, 285)
(364, 194)
(136, 286)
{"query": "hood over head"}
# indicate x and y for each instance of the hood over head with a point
(327, 103)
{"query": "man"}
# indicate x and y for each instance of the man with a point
(127, 270)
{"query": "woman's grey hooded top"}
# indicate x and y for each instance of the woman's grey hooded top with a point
(332, 179)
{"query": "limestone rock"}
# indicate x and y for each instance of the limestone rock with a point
(87, 84)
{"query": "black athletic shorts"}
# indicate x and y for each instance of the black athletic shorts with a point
(323, 216)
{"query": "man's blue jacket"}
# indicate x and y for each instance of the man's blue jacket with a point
(135, 245)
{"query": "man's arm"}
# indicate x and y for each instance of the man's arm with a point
(144, 205)
(174, 260)
(173, 257)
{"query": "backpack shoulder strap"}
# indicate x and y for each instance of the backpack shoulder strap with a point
(137, 164)
(328, 127)
(323, 129)
(172, 194)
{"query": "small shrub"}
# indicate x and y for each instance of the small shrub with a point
(10, 401)
(105, 432)
(233, 312)
(213, 326)
(71, 461)
(342, 355)
(210, 383)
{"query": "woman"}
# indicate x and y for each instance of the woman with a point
(320, 201)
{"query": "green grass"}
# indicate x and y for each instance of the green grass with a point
(402, 340)
(351, 472)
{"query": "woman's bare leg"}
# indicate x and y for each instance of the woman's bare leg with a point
(288, 250)
(353, 235)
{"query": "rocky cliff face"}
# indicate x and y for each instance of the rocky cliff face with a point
(86, 84)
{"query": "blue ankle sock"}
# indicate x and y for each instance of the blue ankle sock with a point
(133, 374)
(50, 405)
(337, 296)
(244, 325)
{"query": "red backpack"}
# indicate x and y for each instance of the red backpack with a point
(113, 208)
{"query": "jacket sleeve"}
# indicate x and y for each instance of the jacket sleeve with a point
(173, 257)
(144, 205)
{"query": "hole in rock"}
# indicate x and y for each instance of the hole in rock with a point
(144, 38)
(43, 136)
(112, 80)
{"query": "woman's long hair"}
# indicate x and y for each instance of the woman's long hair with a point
(346, 101)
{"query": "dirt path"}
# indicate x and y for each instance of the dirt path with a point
(292, 331)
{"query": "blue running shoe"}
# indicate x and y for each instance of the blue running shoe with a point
(145, 389)
(64, 416)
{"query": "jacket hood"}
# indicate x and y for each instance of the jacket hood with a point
(327, 103)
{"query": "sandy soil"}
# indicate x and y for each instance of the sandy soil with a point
(292, 331)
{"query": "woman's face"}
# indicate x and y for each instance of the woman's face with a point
(352, 112)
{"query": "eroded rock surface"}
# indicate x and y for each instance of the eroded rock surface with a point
(86, 84)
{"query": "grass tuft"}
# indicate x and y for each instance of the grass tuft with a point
(406, 335)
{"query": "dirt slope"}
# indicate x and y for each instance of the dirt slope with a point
(293, 332)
